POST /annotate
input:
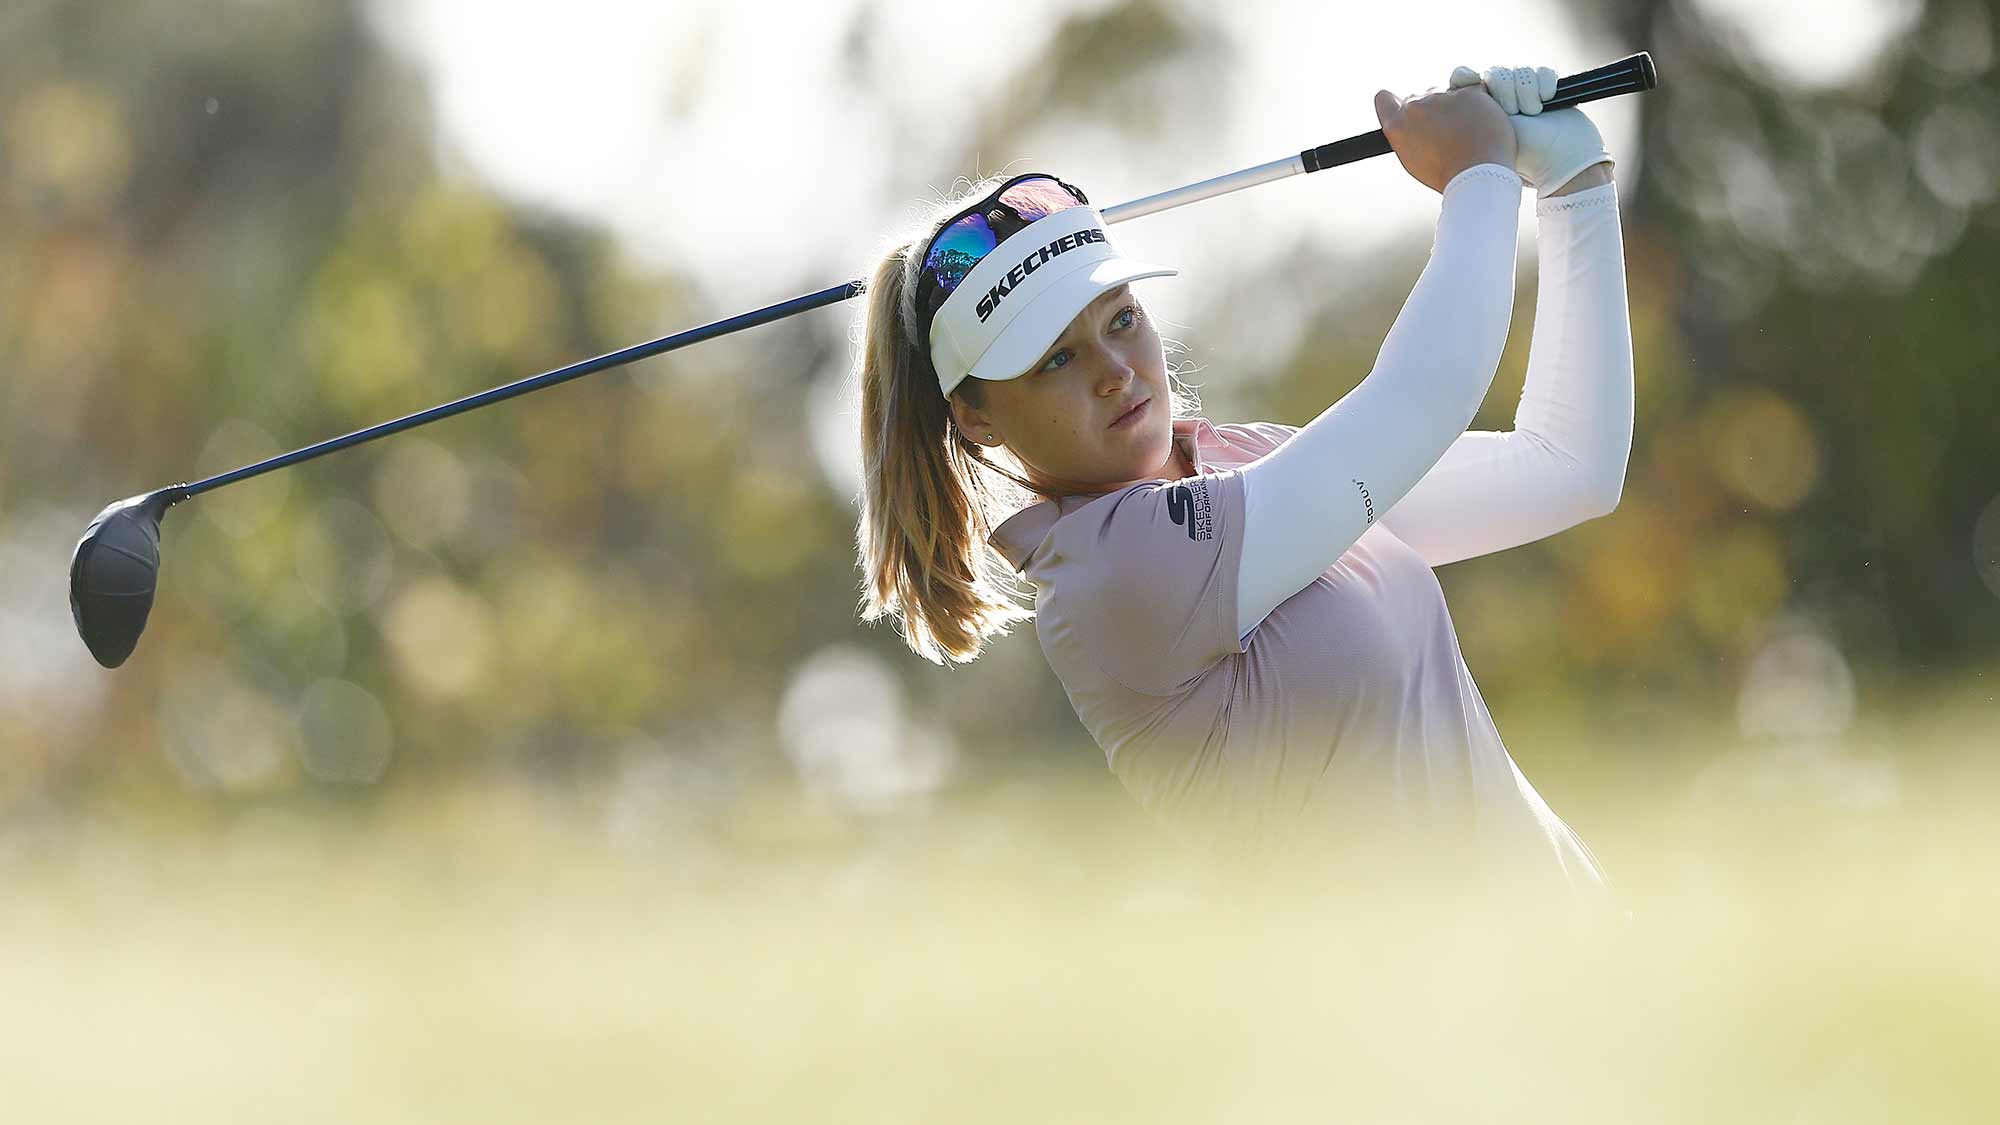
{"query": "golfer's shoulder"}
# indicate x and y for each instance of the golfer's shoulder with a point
(1253, 438)
(1129, 548)
(1061, 532)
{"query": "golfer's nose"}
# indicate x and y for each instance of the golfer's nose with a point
(1116, 376)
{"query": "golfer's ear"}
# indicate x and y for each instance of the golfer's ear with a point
(971, 420)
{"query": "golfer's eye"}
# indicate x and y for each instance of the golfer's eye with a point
(1125, 318)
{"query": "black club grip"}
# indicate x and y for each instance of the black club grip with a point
(1629, 75)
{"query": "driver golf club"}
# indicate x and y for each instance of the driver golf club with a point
(114, 571)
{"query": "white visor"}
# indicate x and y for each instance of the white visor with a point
(1029, 288)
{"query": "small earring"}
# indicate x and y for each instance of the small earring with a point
(989, 437)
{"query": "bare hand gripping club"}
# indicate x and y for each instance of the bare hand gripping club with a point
(114, 571)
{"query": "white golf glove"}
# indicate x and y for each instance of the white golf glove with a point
(1552, 147)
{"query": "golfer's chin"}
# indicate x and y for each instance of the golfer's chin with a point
(1153, 462)
(1117, 464)
(1157, 460)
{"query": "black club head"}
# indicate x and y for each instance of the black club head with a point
(114, 572)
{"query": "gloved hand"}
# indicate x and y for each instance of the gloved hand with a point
(1550, 148)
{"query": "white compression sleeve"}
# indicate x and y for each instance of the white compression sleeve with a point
(1564, 462)
(1307, 501)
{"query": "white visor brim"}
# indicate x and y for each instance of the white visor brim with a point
(1043, 320)
(1020, 298)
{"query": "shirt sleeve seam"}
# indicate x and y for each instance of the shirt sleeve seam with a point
(1225, 611)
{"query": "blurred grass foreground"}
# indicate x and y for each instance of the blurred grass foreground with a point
(1805, 934)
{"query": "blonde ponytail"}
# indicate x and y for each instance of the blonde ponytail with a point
(927, 509)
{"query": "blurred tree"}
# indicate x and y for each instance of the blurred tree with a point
(1830, 316)
(230, 237)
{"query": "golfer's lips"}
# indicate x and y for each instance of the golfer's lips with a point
(1130, 415)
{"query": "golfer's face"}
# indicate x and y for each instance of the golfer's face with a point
(1057, 417)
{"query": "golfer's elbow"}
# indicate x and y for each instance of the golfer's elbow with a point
(1600, 489)
(1589, 482)
(1603, 499)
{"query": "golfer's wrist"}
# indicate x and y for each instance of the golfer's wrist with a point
(1486, 171)
(1596, 175)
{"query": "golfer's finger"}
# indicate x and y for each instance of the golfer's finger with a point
(1388, 109)
(1464, 76)
(1500, 83)
(1545, 79)
(1527, 91)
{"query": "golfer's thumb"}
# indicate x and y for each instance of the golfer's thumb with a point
(1387, 105)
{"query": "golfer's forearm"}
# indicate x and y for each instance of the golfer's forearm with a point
(1446, 342)
(1564, 461)
(1311, 498)
(1578, 393)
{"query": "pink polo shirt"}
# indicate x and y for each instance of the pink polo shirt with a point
(1345, 719)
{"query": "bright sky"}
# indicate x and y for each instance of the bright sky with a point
(715, 135)
(595, 113)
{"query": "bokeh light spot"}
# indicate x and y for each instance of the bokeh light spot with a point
(344, 734)
(1798, 685)
(1814, 43)
(70, 141)
(442, 637)
(1762, 447)
(422, 493)
(844, 727)
(1957, 149)
(1959, 40)
(1986, 546)
(344, 556)
(47, 679)
(219, 733)
(243, 509)
(362, 334)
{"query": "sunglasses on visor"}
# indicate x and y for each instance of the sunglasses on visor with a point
(974, 233)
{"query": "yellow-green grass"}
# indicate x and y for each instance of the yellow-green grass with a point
(1021, 949)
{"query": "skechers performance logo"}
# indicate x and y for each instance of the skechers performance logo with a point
(1189, 505)
(1367, 501)
(1033, 262)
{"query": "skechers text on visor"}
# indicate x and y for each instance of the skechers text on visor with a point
(1003, 280)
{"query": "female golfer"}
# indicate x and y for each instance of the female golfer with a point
(1244, 615)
